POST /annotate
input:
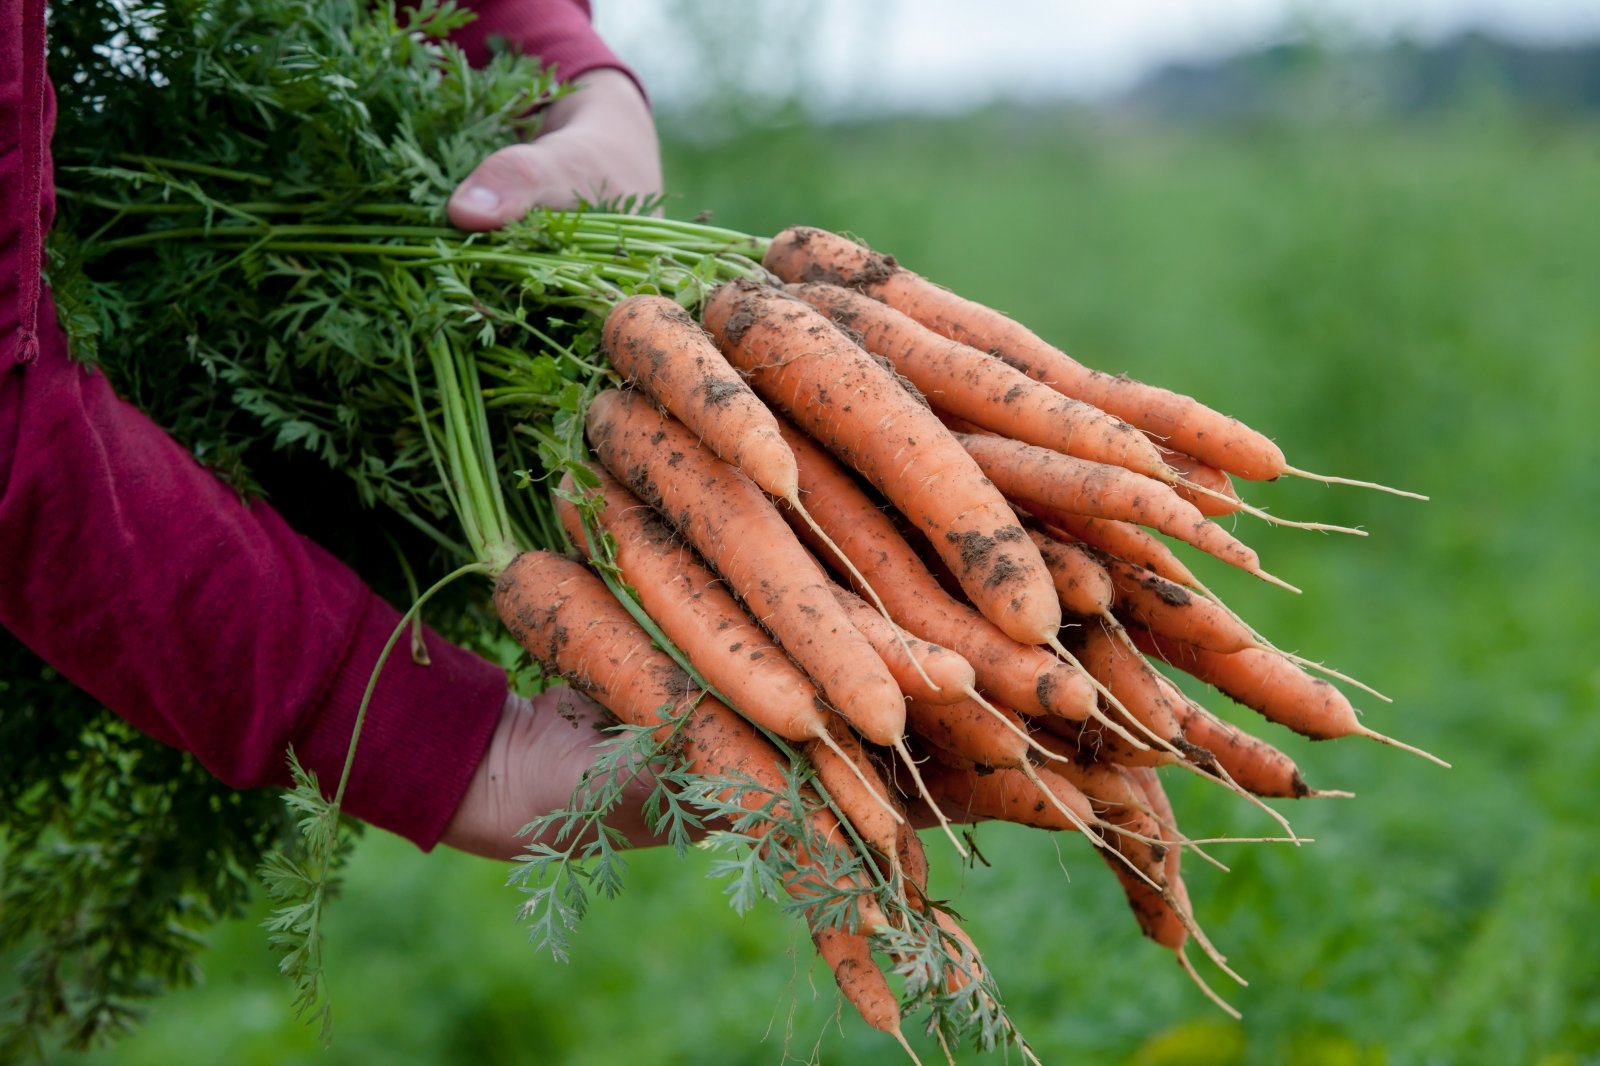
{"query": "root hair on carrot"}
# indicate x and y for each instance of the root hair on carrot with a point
(833, 745)
(1188, 967)
(793, 500)
(927, 797)
(977, 697)
(1329, 479)
(1273, 579)
(1067, 657)
(1266, 516)
(1372, 734)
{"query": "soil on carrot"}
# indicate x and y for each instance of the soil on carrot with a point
(719, 392)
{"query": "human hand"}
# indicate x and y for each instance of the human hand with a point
(597, 142)
(536, 757)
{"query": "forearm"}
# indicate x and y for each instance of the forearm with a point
(206, 621)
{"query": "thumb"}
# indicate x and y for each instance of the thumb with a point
(509, 184)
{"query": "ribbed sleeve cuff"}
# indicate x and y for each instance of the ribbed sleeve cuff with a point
(425, 731)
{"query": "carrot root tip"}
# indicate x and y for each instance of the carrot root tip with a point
(1329, 479)
(1402, 745)
(1210, 993)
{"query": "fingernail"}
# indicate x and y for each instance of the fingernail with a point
(480, 198)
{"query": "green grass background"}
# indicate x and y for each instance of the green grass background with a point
(1419, 304)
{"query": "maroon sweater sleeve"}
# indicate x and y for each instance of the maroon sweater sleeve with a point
(203, 620)
(558, 33)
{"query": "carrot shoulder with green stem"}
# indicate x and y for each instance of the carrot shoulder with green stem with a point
(828, 386)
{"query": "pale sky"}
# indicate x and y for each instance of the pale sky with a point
(854, 55)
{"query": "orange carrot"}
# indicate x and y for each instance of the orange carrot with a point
(1251, 762)
(1214, 502)
(1130, 678)
(740, 533)
(697, 612)
(851, 779)
(1121, 539)
(1099, 743)
(1272, 686)
(1168, 609)
(974, 386)
(568, 621)
(971, 732)
(802, 254)
(1021, 675)
(1062, 483)
(1008, 795)
(952, 676)
(860, 980)
(986, 736)
(799, 361)
(657, 345)
(1081, 581)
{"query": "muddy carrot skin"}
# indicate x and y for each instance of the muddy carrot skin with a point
(1026, 678)
(840, 396)
(659, 346)
(972, 385)
(805, 254)
(738, 531)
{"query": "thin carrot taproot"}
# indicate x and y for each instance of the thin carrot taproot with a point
(1130, 678)
(987, 736)
(909, 658)
(1121, 539)
(861, 981)
(851, 779)
(1007, 794)
(974, 386)
(800, 362)
(1155, 796)
(1216, 488)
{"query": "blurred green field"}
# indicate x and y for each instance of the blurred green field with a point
(1414, 304)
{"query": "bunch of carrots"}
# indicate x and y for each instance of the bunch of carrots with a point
(858, 555)
(911, 543)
